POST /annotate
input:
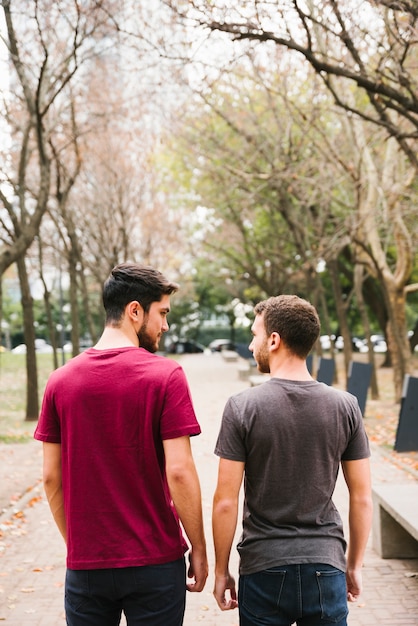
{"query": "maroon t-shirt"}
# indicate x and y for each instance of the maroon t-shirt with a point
(110, 410)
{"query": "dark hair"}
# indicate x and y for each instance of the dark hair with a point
(131, 281)
(294, 319)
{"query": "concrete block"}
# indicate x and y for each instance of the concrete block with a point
(395, 520)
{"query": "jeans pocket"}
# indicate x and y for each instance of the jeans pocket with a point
(159, 586)
(333, 595)
(260, 593)
(77, 590)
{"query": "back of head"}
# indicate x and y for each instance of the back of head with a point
(294, 319)
(130, 281)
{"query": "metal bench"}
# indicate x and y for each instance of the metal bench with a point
(395, 520)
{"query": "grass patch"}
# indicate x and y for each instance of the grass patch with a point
(16, 438)
(13, 426)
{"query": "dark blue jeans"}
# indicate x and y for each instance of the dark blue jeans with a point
(312, 594)
(153, 595)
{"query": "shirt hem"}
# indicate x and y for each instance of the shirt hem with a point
(119, 564)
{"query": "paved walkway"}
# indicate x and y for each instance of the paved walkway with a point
(32, 553)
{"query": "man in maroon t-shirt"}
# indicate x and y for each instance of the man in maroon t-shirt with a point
(119, 473)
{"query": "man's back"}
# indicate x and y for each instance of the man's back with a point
(110, 410)
(291, 435)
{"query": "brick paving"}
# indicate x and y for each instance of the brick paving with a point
(32, 553)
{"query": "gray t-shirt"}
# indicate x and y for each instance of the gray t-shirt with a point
(291, 435)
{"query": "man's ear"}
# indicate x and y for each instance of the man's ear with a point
(134, 311)
(274, 341)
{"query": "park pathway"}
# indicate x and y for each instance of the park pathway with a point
(32, 554)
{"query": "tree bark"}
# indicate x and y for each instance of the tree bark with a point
(341, 313)
(75, 315)
(32, 400)
(358, 286)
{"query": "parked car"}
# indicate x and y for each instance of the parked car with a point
(379, 344)
(19, 349)
(217, 345)
(357, 343)
(185, 346)
(41, 346)
(325, 341)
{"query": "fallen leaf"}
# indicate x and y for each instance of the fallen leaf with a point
(34, 500)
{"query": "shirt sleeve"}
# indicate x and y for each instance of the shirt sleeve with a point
(231, 439)
(48, 428)
(178, 417)
(358, 445)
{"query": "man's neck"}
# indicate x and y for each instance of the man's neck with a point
(113, 337)
(290, 368)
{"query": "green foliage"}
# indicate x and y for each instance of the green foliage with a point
(249, 157)
(277, 172)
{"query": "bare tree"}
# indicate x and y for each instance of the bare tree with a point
(369, 45)
(365, 54)
(46, 49)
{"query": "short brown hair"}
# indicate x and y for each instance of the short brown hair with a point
(294, 319)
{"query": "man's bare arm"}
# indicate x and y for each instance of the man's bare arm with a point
(185, 491)
(357, 477)
(52, 479)
(224, 522)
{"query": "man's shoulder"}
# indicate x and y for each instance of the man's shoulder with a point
(66, 369)
(250, 394)
(340, 394)
(158, 360)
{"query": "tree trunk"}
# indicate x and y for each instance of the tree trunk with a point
(397, 336)
(32, 400)
(327, 326)
(75, 317)
(341, 313)
(51, 326)
(86, 305)
(48, 309)
(358, 286)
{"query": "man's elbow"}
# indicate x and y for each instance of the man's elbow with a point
(362, 506)
(361, 501)
(223, 506)
(180, 473)
(52, 483)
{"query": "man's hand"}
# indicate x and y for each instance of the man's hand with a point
(198, 570)
(222, 584)
(354, 584)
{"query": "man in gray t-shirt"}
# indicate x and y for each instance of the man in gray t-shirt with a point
(288, 437)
